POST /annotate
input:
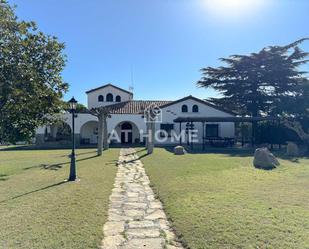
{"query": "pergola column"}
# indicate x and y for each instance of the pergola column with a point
(100, 134)
(242, 134)
(150, 126)
(147, 133)
(105, 133)
(203, 138)
(150, 138)
(102, 113)
(180, 133)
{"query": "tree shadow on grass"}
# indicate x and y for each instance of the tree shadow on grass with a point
(3, 177)
(34, 147)
(34, 191)
(81, 153)
(138, 158)
(58, 166)
(43, 147)
(111, 162)
(140, 150)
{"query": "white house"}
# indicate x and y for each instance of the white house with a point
(127, 123)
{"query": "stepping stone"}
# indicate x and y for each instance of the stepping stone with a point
(132, 194)
(158, 214)
(117, 217)
(112, 242)
(134, 212)
(143, 233)
(137, 205)
(112, 228)
(154, 243)
(141, 224)
(155, 205)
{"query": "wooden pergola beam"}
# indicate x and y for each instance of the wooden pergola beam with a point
(224, 119)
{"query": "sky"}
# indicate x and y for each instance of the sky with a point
(159, 46)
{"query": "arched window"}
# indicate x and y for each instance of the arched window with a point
(195, 108)
(118, 98)
(100, 98)
(184, 108)
(109, 97)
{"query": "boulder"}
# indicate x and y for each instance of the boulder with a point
(264, 159)
(292, 149)
(179, 150)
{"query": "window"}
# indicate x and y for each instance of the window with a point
(195, 108)
(166, 129)
(109, 97)
(100, 98)
(184, 108)
(212, 130)
(118, 98)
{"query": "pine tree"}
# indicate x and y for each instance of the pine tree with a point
(261, 83)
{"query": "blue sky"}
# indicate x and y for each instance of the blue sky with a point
(163, 42)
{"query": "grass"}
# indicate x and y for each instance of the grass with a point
(221, 201)
(39, 210)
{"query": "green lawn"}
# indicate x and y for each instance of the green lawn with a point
(39, 210)
(221, 201)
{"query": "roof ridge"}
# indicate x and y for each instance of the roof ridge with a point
(154, 100)
(106, 85)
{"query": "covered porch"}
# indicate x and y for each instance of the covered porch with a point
(210, 130)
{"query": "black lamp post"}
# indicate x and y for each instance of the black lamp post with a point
(72, 176)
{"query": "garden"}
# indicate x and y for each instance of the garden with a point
(219, 200)
(38, 209)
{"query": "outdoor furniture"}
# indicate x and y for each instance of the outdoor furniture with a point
(85, 141)
(219, 141)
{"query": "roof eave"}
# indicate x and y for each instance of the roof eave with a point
(106, 85)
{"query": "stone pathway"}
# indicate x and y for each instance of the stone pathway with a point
(135, 218)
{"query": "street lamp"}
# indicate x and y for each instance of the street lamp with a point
(73, 104)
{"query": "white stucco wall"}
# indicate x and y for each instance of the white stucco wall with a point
(80, 120)
(117, 119)
(89, 131)
(84, 127)
(93, 96)
(171, 112)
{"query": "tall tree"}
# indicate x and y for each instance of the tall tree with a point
(31, 86)
(260, 83)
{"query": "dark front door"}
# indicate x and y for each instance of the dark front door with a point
(126, 137)
(212, 130)
(126, 133)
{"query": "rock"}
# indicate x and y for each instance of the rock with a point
(179, 150)
(292, 149)
(264, 159)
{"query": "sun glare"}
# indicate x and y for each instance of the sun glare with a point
(228, 9)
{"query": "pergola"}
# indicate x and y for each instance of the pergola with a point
(104, 112)
(235, 119)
